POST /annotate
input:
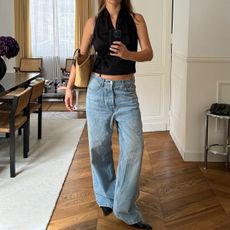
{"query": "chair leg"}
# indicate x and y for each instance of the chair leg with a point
(12, 154)
(76, 106)
(27, 130)
(26, 140)
(19, 131)
(77, 98)
(39, 123)
(206, 143)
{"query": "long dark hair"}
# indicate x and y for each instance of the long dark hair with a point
(125, 4)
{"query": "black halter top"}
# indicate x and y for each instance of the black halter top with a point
(105, 33)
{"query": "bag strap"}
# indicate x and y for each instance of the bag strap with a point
(76, 51)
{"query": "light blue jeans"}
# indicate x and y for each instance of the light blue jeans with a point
(108, 102)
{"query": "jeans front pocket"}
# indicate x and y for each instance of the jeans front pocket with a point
(130, 86)
(94, 84)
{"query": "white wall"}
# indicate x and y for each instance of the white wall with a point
(202, 76)
(207, 82)
(178, 102)
(7, 26)
(181, 26)
(179, 73)
(209, 32)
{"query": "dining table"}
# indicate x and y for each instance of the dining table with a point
(12, 81)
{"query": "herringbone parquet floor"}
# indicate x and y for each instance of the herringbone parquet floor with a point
(175, 195)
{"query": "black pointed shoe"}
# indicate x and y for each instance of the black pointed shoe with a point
(141, 225)
(106, 210)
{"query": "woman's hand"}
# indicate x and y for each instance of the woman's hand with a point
(118, 49)
(68, 99)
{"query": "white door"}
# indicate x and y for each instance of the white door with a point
(153, 78)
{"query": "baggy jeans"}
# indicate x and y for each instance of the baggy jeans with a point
(108, 102)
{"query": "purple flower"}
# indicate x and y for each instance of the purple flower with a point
(8, 47)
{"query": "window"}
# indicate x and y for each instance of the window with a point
(52, 33)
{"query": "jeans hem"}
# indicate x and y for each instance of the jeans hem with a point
(105, 205)
(104, 201)
(129, 221)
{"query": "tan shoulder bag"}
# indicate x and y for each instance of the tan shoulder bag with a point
(84, 64)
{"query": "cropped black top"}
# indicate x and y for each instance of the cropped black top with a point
(105, 34)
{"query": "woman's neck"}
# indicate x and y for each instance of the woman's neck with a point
(113, 10)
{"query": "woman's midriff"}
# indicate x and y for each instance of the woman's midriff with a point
(115, 77)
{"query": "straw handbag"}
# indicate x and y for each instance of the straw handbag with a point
(83, 69)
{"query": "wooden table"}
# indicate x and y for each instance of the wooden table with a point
(11, 81)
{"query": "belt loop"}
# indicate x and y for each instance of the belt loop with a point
(102, 80)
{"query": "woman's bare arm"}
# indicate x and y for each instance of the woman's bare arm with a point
(84, 49)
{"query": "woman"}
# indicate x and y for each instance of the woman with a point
(111, 98)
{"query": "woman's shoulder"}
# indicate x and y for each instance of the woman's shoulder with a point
(91, 20)
(138, 18)
(90, 24)
(138, 15)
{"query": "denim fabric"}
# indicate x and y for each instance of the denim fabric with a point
(108, 102)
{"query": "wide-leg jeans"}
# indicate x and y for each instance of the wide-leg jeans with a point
(108, 102)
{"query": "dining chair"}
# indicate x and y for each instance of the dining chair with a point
(27, 65)
(35, 106)
(66, 70)
(36, 102)
(30, 65)
(13, 118)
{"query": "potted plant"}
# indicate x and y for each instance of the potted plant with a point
(8, 48)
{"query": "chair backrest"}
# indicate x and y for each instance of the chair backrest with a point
(31, 64)
(68, 64)
(22, 100)
(37, 89)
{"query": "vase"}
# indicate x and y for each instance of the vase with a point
(2, 68)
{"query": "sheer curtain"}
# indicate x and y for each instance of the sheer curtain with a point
(52, 33)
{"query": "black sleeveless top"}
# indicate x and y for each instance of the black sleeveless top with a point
(103, 36)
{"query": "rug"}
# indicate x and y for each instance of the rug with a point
(27, 201)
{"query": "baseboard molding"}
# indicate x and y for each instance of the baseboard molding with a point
(190, 156)
(199, 156)
(153, 126)
(177, 143)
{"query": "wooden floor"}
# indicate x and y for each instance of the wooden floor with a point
(174, 195)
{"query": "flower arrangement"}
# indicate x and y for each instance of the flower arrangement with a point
(8, 47)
